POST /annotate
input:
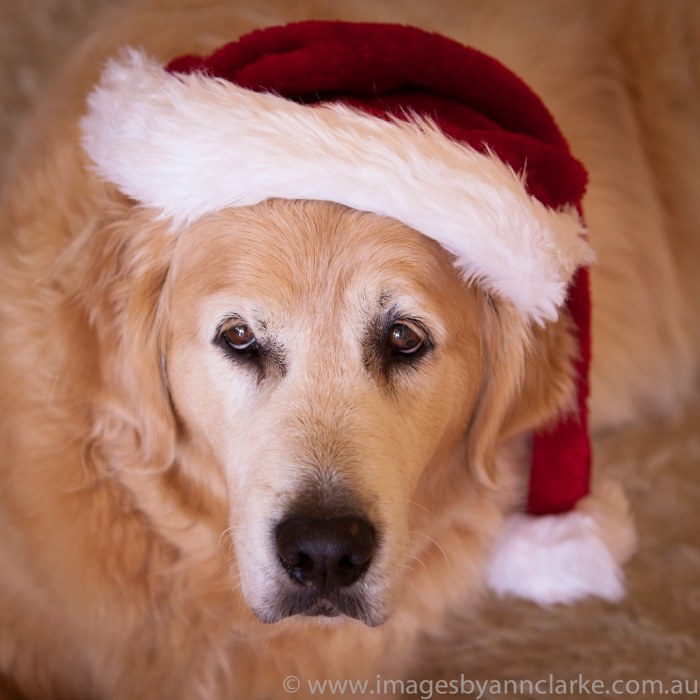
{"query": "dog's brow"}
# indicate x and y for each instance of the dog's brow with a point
(384, 299)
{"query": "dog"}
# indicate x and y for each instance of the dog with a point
(284, 441)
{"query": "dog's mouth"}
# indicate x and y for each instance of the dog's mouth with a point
(352, 602)
(322, 608)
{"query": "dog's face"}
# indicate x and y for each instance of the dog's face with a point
(330, 359)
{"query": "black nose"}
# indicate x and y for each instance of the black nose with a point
(326, 553)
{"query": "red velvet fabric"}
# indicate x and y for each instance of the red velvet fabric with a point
(394, 71)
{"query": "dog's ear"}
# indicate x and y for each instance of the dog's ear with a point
(119, 266)
(528, 380)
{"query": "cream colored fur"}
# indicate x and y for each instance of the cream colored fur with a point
(129, 557)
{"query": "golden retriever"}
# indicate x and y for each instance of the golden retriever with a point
(177, 411)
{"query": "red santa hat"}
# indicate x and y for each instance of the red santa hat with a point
(413, 126)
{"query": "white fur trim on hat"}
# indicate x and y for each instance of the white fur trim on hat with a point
(191, 144)
(563, 558)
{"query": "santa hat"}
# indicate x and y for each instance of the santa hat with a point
(411, 125)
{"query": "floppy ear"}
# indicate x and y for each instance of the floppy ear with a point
(528, 380)
(118, 268)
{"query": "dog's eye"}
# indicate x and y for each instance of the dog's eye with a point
(239, 337)
(265, 356)
(405, 339)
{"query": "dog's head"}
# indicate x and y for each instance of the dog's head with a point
(323, 374)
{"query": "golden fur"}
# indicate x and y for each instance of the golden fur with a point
(140, 466)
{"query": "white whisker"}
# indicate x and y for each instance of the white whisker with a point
(436, 543)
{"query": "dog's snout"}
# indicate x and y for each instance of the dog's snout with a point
(325, 553)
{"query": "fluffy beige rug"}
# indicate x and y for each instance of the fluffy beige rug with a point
(654, 635)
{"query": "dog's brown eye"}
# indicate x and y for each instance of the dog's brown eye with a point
(405, 339)
(239, 337)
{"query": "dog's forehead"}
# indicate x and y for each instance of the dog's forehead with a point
(315, 254)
